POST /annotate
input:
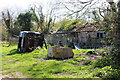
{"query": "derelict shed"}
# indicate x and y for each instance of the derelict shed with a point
(63, 36)
(90, 36)
(86, 36)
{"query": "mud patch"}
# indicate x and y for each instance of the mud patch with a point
(6, 76)
(40, 60)
(19, 74)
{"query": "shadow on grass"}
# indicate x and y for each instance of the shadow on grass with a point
(14, 51)
(58, 59)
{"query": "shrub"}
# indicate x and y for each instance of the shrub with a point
(102, 62)
(79, 59)
(87, 62)
(108, 72)
(90, 53)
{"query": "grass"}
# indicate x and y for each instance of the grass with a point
(34, 64)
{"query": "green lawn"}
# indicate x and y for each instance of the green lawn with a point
(34, 64)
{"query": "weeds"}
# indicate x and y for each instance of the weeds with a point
(34, 64)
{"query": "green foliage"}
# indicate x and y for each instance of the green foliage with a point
(34, 65)
(3, 32)
(112, 23)
(90, 53)
(72, 62)
(16, 29)
(112, 55)
(61, 24)
(102, 62)
(24, 20)
(87, 62)
(68, 25)
(108, 72)
(79, 59)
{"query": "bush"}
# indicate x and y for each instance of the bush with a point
(108, 72)
(102, 62)
(79, 59)
(68, 25)
(87, 62)
(90, 53)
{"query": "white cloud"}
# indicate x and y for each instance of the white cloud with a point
(23, 4)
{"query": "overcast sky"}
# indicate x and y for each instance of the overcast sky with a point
(22, 4)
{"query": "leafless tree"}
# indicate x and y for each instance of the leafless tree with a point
(38, 16)
(7, 18)
(82, 9)
(44, 20)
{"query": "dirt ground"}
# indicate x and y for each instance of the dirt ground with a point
(18, 74)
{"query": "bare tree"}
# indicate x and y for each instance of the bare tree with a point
(8, 21)
(7, 18)
(50, 16)
(44, 20)
(82, 9)
(38, 16)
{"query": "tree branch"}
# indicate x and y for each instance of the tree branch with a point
(100, 13)
(80, 2)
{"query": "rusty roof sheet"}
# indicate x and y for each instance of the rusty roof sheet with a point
(87, 27)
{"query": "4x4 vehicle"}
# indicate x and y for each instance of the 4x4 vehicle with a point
(28, 41)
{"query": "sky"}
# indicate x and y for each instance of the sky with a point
(22, 4)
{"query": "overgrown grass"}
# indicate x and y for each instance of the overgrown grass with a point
(34, 64)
